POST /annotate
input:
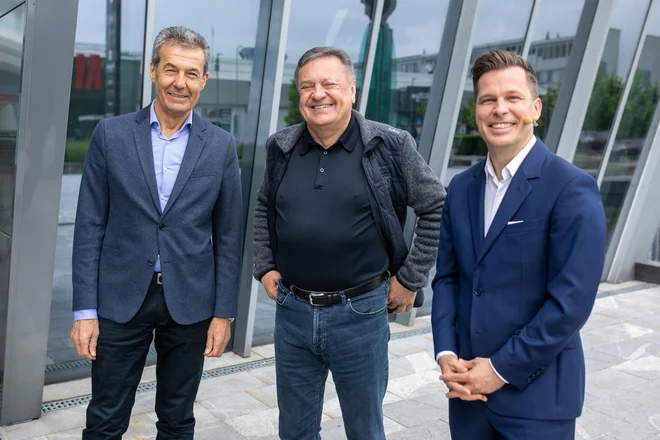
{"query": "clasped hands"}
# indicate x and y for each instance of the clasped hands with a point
(469, 380)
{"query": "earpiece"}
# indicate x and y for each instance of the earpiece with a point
(527, 120)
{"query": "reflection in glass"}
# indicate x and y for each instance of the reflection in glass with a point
(501, 25)
(230, 28)
(407, 49)
(12, 31)
(106, 81)
(12, 28)
(633, 131)
(552, 44)
(624, 28)
(344, 24)
(654, 253)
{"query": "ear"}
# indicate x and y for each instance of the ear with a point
(152, 72)
(204, 79)
(538, 106)
(353, 91)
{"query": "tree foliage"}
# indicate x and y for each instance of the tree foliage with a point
(293, 115)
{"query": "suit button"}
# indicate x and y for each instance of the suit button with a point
(162, 226)
(478, 291)
(150, 262)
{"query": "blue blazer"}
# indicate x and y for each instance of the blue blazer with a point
(520, 295)
(120, 230)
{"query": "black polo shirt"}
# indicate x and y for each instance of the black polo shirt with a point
(327, 239)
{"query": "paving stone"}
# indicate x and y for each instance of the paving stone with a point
(410, 413)
(647, 367)
(231, 405)
(630, 349)
(598, 320)
(265, 374)
(256, 425)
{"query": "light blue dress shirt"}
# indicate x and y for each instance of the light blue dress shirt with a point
(168, 155)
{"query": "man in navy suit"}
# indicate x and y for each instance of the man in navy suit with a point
(521, 254)
(157, 246)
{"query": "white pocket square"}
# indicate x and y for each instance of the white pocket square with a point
(515, 222)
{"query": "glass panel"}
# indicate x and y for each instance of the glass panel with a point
(344, 24)
(624, 29)
(633, 131)
(501, 25)
(230, 28)
(12, 32)
(405, 60)
(12, 29)
(107, 81)
(654, 253)
(554, 31)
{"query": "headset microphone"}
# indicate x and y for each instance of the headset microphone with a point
(527, 120)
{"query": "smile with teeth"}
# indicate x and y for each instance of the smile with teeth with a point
(320, 107)
(176, 96)
(502, 125)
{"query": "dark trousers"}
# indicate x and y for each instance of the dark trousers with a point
(473, 420)
(120, 357)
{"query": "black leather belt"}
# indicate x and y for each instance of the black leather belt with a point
(330, 298)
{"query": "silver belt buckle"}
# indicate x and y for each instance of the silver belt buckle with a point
(159, 278)
(315, 295)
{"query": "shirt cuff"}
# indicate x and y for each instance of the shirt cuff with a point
(442, 353)
(85, 314)
(498, 374)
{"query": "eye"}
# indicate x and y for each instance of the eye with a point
(514, 98)
(193, 75)
(487, 100)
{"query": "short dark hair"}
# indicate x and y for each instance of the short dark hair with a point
(501, 59)
(181, 36)
(326, 51)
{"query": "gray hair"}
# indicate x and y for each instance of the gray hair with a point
(326, 51)
(180, 36)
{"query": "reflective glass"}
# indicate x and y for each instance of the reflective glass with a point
(640, 108)
(106, 81)
(500, 25)
(552, 44)
(624, 28)
(407, 49)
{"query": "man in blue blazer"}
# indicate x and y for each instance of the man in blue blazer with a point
(157, 246)
(521, 254)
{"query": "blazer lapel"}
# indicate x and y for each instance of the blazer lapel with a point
(145, 153)
(196, 143)
(476, 192)
(516, 194)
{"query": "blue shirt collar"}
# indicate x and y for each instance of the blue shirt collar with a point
(153, 119)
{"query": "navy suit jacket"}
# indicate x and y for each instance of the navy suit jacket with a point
(520, 295)
(120, 230)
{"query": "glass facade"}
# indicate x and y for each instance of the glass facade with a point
(12, 30)
(500, 25)
(406, 54)
(109, 71)
(633, 132)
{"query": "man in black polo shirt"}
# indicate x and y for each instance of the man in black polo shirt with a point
(329, 248)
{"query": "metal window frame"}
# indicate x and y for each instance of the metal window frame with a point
(263, 109)
(579, 78)
(623, 99)
(376, 21)
(530, 28)
(49, 39)
(639, 217)
(147, 49)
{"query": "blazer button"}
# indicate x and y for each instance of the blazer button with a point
(150, 262)
(478, 291)
(162, 226)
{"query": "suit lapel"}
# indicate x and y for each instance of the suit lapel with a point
(196, 143)
(516, 194)
(145, 153)
(476, 192)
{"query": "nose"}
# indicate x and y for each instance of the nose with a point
(180, 80)
(501, 107)
(319, 92)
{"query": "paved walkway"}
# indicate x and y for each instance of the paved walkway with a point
(237, 400)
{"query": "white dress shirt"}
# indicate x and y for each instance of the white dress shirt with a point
(493, 196)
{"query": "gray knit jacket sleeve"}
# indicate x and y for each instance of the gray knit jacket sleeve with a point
(264, 260)
(426, 196)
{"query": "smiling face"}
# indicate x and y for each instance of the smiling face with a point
(327, 94)
(179, 78)
(504, 99)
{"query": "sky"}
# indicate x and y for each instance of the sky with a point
(417, 24)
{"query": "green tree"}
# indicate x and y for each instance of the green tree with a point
(293, 115)
(602, 104)
(549, 100)
(639, 109)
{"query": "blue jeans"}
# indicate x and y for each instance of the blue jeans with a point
(349, 339)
